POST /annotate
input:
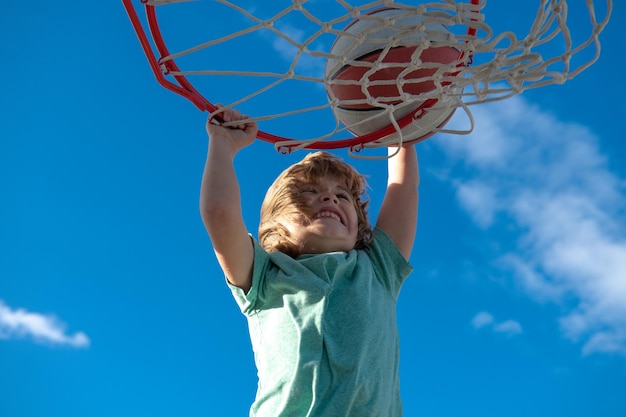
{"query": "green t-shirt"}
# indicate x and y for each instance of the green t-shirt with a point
(324, 332)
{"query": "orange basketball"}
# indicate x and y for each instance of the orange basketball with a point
(361, 92)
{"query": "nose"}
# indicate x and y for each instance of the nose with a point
(328, 196)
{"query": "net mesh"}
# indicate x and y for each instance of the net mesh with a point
(493, 62)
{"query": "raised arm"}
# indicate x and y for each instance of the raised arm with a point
(220, 200)
(398, 213)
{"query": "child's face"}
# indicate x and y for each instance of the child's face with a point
(332, 224)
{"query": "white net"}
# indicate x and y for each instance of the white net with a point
(473, 59)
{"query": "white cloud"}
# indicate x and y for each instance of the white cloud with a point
(486, 320)
(547, 181)
(605, 342)
(479, 200)
(43, 328)
(482, 319)
(509, 327)
(287, 48)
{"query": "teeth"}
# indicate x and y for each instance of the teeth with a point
(328, 215)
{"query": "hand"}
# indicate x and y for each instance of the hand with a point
(238, 135)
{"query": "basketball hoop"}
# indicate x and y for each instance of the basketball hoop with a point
(413, 64)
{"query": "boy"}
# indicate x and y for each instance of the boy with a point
(319, 288)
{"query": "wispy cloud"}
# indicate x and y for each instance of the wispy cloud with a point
(545, 185)
(287, 50)
(482, 319)
(508, 327)
(21, 323)
(485, 320)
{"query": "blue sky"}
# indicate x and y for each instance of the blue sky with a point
(112, 303)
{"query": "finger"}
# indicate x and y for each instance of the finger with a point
(244, 124)
(232, 118)
(216, 117)
(233, 115)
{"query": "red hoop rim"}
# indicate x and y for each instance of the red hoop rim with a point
(185, 89)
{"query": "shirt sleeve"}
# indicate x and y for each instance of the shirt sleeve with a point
(390, 265)
(247, 301)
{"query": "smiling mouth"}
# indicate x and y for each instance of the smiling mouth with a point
(326, 214)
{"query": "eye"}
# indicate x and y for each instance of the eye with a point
(310, 190)
(343, 196)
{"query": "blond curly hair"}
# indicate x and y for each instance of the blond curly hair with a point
(284, 201)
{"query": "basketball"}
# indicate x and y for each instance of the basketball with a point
(391, 39)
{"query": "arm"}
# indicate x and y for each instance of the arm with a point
(220, 201)
(398, 213)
